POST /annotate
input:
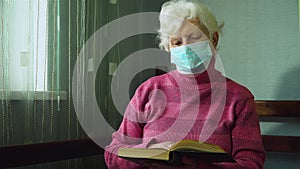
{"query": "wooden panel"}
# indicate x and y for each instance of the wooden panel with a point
(14, 156)
(278, 108)
(281, 143)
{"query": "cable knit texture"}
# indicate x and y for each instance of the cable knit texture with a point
(207, 107)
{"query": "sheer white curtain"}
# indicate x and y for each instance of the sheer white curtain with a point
(40, 40)
(23, 30)
(22, 23)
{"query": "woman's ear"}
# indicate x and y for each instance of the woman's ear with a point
(215, 39)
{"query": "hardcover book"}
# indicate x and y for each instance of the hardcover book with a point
(172, 153)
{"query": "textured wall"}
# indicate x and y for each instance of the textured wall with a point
(260, 49)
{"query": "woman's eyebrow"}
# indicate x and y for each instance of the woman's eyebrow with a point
(173, 37)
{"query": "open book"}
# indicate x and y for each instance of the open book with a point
(173, 153)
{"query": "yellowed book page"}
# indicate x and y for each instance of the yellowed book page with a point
(195, 145)
(147, 153)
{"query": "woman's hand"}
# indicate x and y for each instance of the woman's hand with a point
(187, 162)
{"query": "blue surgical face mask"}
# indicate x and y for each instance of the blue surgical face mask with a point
(189, 58)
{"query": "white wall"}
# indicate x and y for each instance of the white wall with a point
(260, 49)
(260, 45)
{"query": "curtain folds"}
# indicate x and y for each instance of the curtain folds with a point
(40, 43)
(7, 133)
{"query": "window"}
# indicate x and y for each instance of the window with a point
(25, 59)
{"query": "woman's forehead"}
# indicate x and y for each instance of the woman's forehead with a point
(189, 27)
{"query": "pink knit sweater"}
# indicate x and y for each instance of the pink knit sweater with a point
(206, 107)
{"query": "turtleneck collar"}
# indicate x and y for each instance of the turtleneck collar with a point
(197, 81)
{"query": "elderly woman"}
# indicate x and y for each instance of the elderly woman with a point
(194, 102)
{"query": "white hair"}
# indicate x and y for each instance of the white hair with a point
(174, 12)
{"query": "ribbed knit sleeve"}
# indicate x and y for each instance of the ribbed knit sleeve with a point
(247, 147)
(154, 115)
(130, 133)
(121, 140)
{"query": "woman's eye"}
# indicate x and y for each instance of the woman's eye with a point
(177, 43)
